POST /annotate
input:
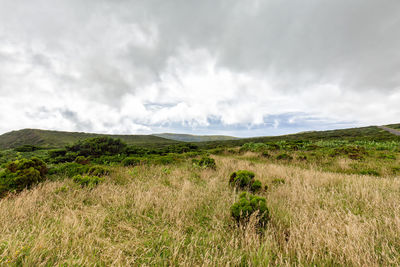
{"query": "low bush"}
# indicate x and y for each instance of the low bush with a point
(369, 172)
(89, 181)
(278, 181)
(99, 171)
(69, 169)
(255, 186)
(82, 160)
(244, 180)
(265, 154)
(131, 161)
(247, 205)
(205, 162)
(21, 174)
(284, 156)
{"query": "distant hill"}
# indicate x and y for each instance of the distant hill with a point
(371, 133)
(44, 138)
(394, 126)
(195, 138)
(50, 139)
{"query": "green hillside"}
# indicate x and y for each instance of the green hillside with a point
(195, 138)
(394, 126)
(371, 133)
(44, 138)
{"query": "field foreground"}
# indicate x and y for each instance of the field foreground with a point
(179, 215)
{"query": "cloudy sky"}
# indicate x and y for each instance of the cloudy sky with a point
(244, 68)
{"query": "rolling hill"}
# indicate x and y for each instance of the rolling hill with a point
(195, 138)
(50, 139)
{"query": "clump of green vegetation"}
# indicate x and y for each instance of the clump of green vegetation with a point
(205, 162)
(98, 170)
(353, 152)
(131, 161)
(89, 181)
(254, 147)
(82, 160)
(265, 154)
(21, 174)
(284, 156)
(278, 181)
(244, 180)
(371, 172)
(98, 146)
(248, 205)
(69, 169)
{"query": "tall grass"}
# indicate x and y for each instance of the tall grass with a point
(179, 215)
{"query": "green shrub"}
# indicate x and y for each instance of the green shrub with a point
(82, 160)
(89, 181)
(98, 146)
(99, 171)
(353, 152)
(265, 154)
(255, 186)
(205, 162)
(21, 174)
(284, 156)
(247, 205)
(241, 179)
(69, 169)
(27, 148)
(131, 161)
(369, 172)
(278, 181)
(244, 180)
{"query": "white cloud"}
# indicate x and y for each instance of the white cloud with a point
(135, 66)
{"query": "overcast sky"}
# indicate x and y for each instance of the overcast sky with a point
(244, 68)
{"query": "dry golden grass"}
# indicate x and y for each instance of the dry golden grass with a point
(179, 215)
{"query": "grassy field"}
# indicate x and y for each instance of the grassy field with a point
(179, 215)
(332, 201)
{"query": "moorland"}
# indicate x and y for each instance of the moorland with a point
(320, 198)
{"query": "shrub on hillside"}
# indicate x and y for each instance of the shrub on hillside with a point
(82, 160)
(278, 181)
(247, 205)
(244, 180)
(205, 162)
(69, 169)
(131, 161)
(284, 156)
(22, 174)
(89, 181)
(99, 171)
(98, 146)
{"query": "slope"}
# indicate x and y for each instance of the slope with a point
(45, 138)
(195, 138)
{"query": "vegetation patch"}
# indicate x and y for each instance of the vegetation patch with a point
(247, 205)
(205, 162)
(21, 174)
(244, 180)
(89, 181)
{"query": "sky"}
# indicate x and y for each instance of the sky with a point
(233, 67)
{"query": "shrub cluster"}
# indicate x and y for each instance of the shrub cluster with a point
(21, 174)
(247, 205)
(69, 169)
(89, 181)
(245, 180)
(205, 162)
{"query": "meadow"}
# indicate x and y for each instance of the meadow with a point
(101, 202)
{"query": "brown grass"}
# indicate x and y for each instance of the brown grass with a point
(179, 215)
